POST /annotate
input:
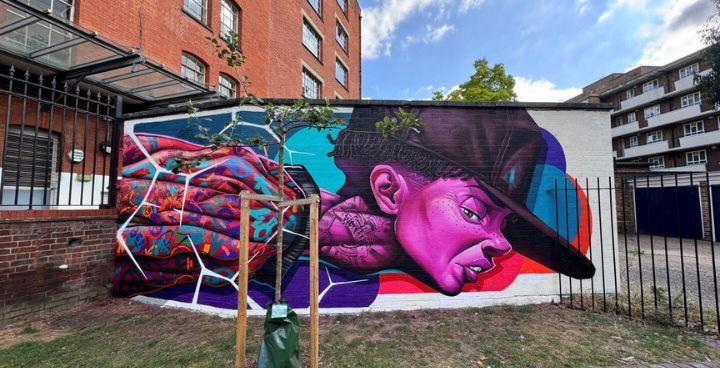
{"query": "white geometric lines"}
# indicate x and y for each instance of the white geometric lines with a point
(332, 284)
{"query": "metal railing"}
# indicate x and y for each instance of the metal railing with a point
(59, 144)
(662, 261)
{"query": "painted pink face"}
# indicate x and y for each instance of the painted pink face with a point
(452, 229)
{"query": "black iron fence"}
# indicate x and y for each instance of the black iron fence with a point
(656, 235)
(59, 144)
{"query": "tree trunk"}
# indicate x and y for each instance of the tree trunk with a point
(280, 218)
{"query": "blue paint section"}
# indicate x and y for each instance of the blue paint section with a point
(552, 206)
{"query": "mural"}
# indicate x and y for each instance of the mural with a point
(463, 206)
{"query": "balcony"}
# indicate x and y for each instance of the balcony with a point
(646, 97)
(625, 129)
(699, 140)
(674, 116)
(689, 81)
(686, 168)
(646, 149)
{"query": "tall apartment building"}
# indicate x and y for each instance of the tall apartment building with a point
(660, 116)
(158, 50)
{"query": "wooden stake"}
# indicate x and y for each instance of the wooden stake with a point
(242, 282)
(314, 287)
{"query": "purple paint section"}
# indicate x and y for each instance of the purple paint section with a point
(349, 290)
(554, 155)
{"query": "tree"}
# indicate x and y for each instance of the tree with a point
(487, 84)
(710, 34)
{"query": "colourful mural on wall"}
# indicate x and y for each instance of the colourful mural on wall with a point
(464, 206)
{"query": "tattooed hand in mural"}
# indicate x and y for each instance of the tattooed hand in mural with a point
(354, 238)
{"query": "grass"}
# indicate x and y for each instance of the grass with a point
(122, 334)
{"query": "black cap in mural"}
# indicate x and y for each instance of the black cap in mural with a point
(499, 147)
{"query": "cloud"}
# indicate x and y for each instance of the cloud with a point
(432, 35)
(677, 34)
(542, 90)
(616, 5)
(583, 6)
(467, 5)
(380, 22)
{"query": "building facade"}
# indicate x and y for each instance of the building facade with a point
(294, 48)
(659, 116)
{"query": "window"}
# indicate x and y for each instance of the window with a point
(656, 162)
(654, 136)
(310, 85)
(341, 36)
(192, 69)
(227, 86)
(689, 100)
(341, 72)
(228, 19)
(197, 9)
(316, 5)
(650, 85)
(651, 111)
(21, 143)
(689, 70)
(696, 157)
(629, 93)
(60, 8)
(343, 5)
(311, 39)
(631, 117)
(633, 141)
(696, 127)
(41, 35)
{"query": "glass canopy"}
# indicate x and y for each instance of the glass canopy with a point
(72, 53)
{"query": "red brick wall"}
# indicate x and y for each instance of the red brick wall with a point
(270, 38)
(33, 244)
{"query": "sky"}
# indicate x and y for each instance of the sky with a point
(552, 48)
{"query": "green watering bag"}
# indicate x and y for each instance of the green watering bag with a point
(280, 345)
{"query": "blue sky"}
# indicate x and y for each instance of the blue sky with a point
(552, 47)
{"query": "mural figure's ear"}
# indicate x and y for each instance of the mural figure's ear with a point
(389, 188)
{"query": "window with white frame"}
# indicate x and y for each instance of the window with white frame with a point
(228, 19)
(316, 5)
(689, 100)
(656, 162)
(310, 85)
(341, 73)
(647, 86)
(696, 157)
(311, 39)
(192, 69)
(41, 35)
(227, 87)
(34, 154)
(631, 117)
(696, 127)
(689, 70)
(651, 111)
(59, 8)
(341, 36)
(343, 5)
(197, 9)
(654, 136)
(633, 141)
(630, 93)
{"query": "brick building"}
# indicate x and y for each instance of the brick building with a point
(660, 120)
(660, 117)
(69, 69)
